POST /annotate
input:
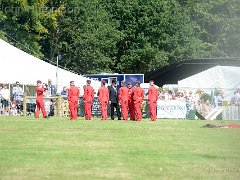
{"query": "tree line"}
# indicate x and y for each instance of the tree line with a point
(122, 36)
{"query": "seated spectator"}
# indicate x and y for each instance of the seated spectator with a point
(180, 96)
(64, 93)
(17, 94)
(169, 95)
(161, 95)
(206, 109)
(13, 110)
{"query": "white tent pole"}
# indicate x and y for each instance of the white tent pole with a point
(57, 76)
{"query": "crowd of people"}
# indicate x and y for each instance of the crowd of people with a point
(11, 103)
(8, 107)
(126, 100)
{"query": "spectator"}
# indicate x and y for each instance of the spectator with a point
(5, 97)
(17, 94)
(233, 99)
(180, 96)
(51, 88)
(51, 91)
(237, 98)
(206, 108)
(169, 95)
(1, 109)
(47, 102)
(1, 94)
(191, 99)
(64, 93)
(218, 100)
(13, 111)
(160, 94)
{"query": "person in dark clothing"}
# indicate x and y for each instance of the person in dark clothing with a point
(64, 93)
(113, 99)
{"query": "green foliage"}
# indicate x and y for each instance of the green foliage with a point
(217, 24)
(26, 22)
(136, 36)
(205, 97)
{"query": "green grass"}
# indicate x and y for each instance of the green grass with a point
(57, 148)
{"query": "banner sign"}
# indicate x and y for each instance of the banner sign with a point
(171, 109)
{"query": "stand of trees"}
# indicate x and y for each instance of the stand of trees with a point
(137, 36)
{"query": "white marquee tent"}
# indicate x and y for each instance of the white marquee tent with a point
(16, 65)
(226, 78)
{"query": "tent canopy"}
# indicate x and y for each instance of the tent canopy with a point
(17, 65)
(225, 78)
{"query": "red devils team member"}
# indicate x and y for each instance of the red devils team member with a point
(152, 100)
(39, 99)
(88, 98)
(131, 102)
(123, 98)
(138, 96)
(103, 97)
(73, 95)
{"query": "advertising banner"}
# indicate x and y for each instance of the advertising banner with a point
(171, 109)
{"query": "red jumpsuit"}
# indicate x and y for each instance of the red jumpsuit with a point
(131, 104)
(39, 102)
(152, 100)
(88, 98)
(103, 97)
(73, 96)
(123, 98)
(138, 96)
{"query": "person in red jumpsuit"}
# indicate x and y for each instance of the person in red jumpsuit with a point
(103, 98)
(152, 100)
(138, 97)
(131, 102)
(39, 100)
(73, 96)
(88, 98)
(123, 99)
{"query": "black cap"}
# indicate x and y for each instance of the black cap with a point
(114, 81)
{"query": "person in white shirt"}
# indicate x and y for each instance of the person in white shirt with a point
(237, 98)
(17, 94)
(218, 100)
(5, 96)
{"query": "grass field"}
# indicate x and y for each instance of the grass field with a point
(57, 148)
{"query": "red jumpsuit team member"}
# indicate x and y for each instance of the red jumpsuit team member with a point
(88, 98)
(131, 102)
(73, 96)
(39, 100)
(123, 98)
(103, 97)
(152, 100)
(138, 96)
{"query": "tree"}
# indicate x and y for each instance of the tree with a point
(155, 33)
(25, 23)
(217, 25)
